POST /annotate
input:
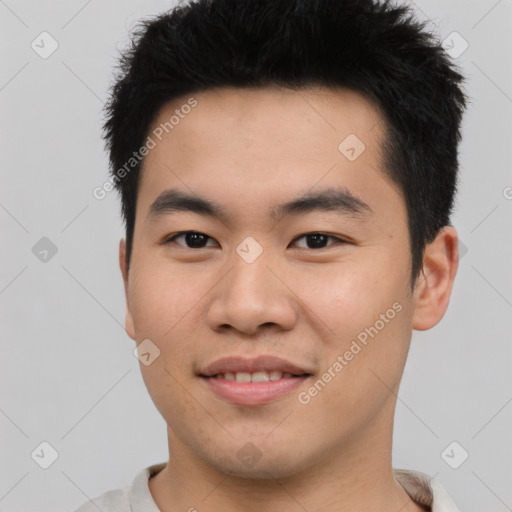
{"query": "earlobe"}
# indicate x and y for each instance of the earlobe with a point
(434, 285)
(129, 324)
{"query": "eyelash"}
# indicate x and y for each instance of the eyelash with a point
(170, 239)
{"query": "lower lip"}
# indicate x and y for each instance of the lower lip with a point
(253, 393)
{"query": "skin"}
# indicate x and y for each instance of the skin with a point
(250, 150)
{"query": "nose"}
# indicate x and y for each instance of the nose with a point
(252, 296)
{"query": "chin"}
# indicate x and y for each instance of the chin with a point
(263, 470)
(249, 462)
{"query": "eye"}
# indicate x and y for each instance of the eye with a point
(197, 240)
(318, 240)
(193, 239)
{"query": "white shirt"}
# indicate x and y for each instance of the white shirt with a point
(137, 497)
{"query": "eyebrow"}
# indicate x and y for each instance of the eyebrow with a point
(337, 199)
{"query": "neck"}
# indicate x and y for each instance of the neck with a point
(355, 476)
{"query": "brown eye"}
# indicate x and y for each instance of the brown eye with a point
(193, 239)
(317, 240)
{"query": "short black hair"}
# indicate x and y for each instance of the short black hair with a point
(373, 47)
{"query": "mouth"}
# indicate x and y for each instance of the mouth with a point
(258, 376)
(255, 381)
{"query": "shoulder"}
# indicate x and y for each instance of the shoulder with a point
(135, 496)
(425, 490)
(117, 500)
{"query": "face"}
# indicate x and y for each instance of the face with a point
(317, 288)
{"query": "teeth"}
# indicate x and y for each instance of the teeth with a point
(260, 377)
(243, 377)
(253, 377)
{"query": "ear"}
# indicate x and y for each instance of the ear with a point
(434, 284)
(129, 324)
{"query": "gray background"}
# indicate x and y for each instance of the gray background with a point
(68, 375)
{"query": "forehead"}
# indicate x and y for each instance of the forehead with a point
(270, 114)
(251, 144)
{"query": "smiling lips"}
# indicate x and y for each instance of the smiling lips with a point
(260, 376)
(254, 381)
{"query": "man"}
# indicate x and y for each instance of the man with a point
(287, 170)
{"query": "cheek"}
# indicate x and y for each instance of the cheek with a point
(162, 304)
(361, 368)
(166, 304)
(348, 296)
(173, 397)
(161, 297)
(363, 310)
